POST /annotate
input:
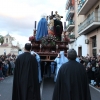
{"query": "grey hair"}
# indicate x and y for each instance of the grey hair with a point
(72, 54)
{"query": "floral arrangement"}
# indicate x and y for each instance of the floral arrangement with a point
(49, 40)
(31, 38)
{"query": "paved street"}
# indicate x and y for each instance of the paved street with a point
(95, 94)
(48, 84)
(47, 89)
(6, 88)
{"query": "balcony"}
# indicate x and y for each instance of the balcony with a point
(70, 26)
(68, 3)
(90, 24)
(85, 6)
(72, 38)
(70, 13)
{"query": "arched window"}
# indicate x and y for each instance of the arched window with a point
(6, 40)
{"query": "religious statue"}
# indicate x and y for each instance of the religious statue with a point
(57, 16)
(55, 26)
(51, 25)
(42, 29)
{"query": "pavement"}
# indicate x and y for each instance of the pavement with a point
(95, 93)
(6, 88)
(46, 89)
(49, 86)
(97, 87)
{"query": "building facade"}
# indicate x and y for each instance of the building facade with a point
(86, 26)
(7, 47)
(90, 25)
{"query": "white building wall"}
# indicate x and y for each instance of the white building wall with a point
(80, 42)
(7, 49)
(14, 51)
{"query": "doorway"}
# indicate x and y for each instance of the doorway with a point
(94, 46)
(79, 51)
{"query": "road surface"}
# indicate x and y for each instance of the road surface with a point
(46, 89)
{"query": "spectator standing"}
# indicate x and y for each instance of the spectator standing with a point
(72, 83)
(1, 74)
(12, 65)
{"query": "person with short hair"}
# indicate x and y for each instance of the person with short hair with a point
(25, 82)
(72, 82)
(12, 65)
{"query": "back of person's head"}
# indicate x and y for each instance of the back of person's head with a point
(27, 46)
(71, 54)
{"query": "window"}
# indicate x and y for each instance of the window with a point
(94, 52)
(94, 44)
(6, 40)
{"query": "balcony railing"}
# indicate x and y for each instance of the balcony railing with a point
(86, 5)
(71, 36)
(67, 15)
(70, 13)
(68, 3)
(70, 26)
(71, 22)
(94, 17)
(81, 4)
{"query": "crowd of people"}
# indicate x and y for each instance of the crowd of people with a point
(92, 66)
(7, 65)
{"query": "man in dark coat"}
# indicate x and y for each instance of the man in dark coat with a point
(26, 83)
(72, 83)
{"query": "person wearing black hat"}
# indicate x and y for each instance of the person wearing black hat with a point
(25, 82)
(72, 82)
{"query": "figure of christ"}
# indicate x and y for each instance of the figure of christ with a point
(57, 16)
(51, 26)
